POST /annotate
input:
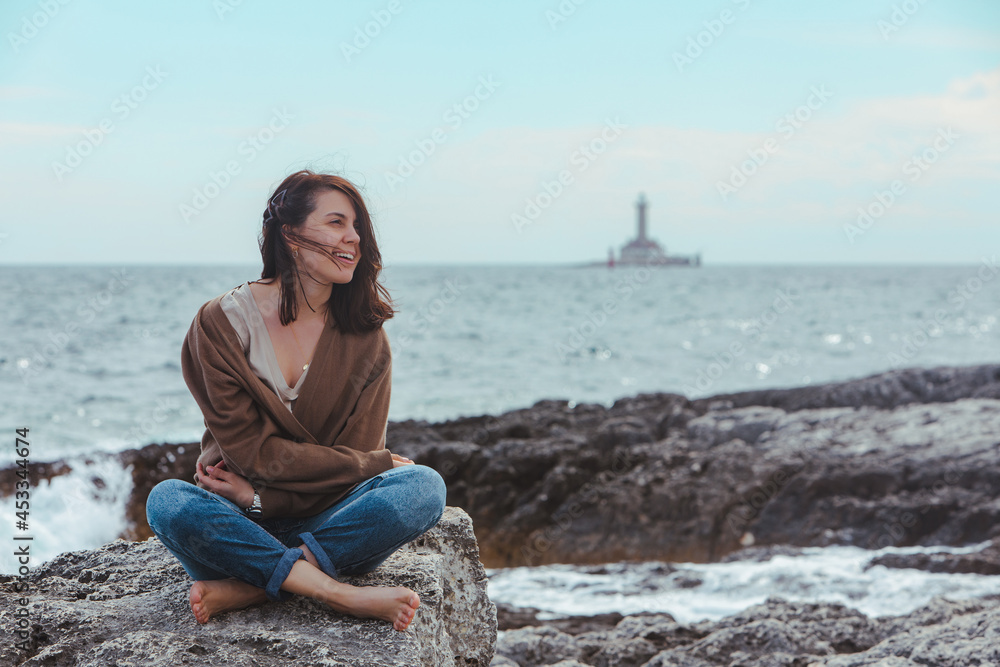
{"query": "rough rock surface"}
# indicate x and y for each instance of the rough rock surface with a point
(127, 604)
(902, 458)
(898, 459)
(982, 561)
(773, 634)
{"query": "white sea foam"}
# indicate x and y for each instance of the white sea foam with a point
(69, 512)
(693, 592)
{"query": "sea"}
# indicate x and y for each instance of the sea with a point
(90, 365)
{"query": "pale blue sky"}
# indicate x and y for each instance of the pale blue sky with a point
(890, 89)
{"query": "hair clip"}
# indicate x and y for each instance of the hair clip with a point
(279, 199)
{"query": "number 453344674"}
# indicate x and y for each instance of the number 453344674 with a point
(22, 448)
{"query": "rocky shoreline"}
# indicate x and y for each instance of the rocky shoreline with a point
(903, 458)
(126, 603)
(943, 632)
(776, 633)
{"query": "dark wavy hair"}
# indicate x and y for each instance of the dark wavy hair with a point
(358, 306)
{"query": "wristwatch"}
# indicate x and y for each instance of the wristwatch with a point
(255, 511)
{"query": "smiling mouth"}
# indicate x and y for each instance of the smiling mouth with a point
(346, 256)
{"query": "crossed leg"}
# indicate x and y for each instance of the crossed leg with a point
(407, 500)
(396, 604)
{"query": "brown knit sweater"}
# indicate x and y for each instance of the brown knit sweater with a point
(304, 460)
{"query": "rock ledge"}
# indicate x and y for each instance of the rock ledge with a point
(126, 603)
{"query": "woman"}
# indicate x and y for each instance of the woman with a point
(294, 486)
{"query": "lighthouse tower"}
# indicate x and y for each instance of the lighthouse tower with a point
(642, 249)
(641, 205)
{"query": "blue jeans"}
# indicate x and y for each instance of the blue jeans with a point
(214, 539)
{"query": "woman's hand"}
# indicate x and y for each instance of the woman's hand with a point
(229, 485)
(399, 461)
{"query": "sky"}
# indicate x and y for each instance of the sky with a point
(517, 132)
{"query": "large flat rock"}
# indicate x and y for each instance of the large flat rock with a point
(126, 603)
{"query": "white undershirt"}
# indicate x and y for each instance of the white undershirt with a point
(245, 316)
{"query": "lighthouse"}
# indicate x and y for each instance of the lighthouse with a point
(644, 250)
(641, 205)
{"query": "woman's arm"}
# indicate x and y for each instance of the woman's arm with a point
(240, 491)
(256, 447)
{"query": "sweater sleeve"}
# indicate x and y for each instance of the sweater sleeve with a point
(253, 445)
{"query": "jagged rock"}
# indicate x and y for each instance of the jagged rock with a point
(126, 603)
(746, 424)
(883, 391)
(510, 617)
(500, 661)
(37, 471)
(873, 462)
(776, 633)
(984, 561)
(150, 465)
(537, 646)
(944, 634)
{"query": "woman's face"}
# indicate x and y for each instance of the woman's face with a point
(332, 224)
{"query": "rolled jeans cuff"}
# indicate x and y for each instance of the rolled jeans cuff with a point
(273, 588)
(321, 557)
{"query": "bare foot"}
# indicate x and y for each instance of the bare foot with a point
(209, 598)
(398, 605)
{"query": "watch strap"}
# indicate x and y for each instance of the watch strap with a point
(255, 510)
